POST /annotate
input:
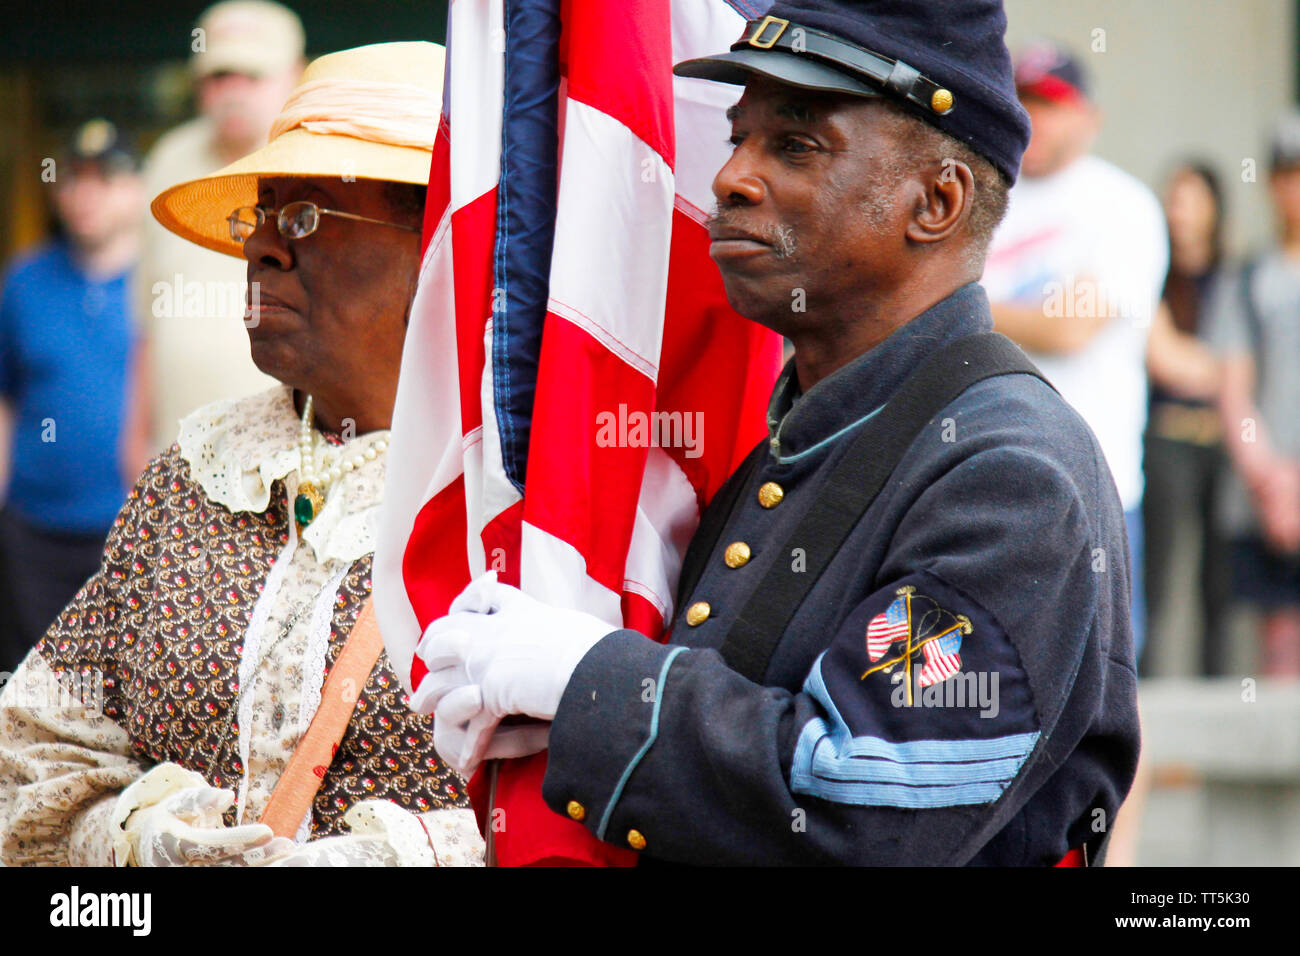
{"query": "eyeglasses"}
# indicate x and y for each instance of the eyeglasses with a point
(295, 220)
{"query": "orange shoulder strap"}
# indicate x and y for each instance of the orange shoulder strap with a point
(302, 778)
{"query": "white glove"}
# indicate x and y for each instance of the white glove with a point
(171, 817)
(498, 652)
(383, 834)
(470, 733)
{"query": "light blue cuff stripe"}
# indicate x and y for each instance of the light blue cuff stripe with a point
(645, 747)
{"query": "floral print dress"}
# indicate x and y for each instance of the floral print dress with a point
(204, 640)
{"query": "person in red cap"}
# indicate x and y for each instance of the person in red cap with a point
(1075, 273)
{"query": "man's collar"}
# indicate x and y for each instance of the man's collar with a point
(799, 425)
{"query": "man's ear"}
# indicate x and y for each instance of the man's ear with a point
(949, 191)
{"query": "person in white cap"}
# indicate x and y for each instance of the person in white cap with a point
(172, 714)
(247, 56)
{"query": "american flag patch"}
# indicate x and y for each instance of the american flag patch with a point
(941, 659)
(887, 627)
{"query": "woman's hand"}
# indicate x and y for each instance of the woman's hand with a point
(383, 834)
(171, 817)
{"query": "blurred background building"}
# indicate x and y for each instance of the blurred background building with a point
(67, 61)
(1161, 98)
(1175, 79)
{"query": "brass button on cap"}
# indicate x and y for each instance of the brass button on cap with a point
(576, 810)
(698, 613)
(737, 554)
(770, 494)
(635, 840)
(941, 101)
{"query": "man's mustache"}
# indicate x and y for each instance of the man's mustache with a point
(780, 238)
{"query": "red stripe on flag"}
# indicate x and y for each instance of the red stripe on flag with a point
(618, 58)
(578, 491)
(435, 567)
(706, 344)
(642, 615)
(501, 539)
(535, 835)
(438, 196)
(473, 230)
(939, 666)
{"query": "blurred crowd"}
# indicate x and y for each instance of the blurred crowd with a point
(1175, 350)
(116, 328)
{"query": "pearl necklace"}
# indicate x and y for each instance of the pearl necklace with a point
(313, 487)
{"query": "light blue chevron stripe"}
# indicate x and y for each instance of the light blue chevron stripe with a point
(937, 751)
(918, 774)
(829, 763)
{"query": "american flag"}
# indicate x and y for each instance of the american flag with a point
(941, 659)
(566, 277)
(885, 628)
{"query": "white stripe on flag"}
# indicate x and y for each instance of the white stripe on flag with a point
(667, 514)
(612, 232)
(700, 106)
(491, 492)
(425, 442)
(477, 68)
(702, 122)
(555, 572)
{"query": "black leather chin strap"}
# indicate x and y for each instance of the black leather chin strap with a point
(774, 33)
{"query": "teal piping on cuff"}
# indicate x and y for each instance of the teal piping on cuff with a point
(645, 747)
(783, 459)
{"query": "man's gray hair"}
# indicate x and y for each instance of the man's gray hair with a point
(919, 142)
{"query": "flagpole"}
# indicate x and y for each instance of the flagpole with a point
(490, 854)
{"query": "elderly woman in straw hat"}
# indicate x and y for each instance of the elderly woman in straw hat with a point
(166, 712)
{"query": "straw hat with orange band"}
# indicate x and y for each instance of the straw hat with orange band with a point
(369, 113)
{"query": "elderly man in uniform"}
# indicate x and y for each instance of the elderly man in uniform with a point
(903, 632)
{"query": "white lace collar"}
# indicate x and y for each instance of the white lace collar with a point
(237, 449)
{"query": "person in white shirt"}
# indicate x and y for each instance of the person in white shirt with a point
(247, 58)
(1075, 273)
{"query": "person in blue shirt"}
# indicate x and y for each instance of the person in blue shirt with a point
(66, 352)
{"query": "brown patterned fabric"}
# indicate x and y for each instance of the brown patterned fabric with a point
(163, 621)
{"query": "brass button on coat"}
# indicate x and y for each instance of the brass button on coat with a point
(737, 554)
(635, 840)
(770, 494)
(576, 810)
(698, 613)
